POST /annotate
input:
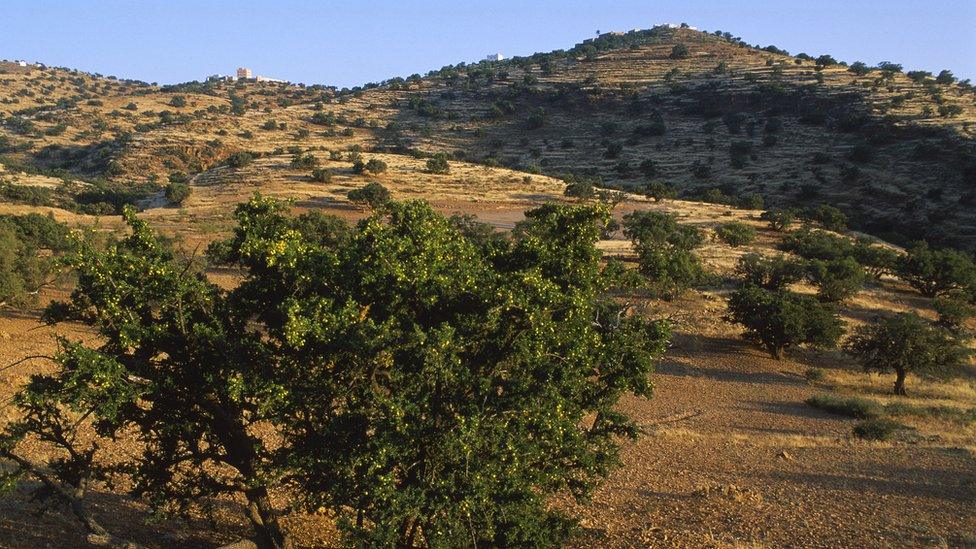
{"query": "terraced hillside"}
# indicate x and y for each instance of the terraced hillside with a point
(702, 112)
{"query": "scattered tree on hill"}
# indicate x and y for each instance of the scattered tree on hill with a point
(665, 250)
(438, 164)
(177, 101)
(778, 319)
(176, 193)
(876, 260)
(836, 279)
(373, 195)
(954, 310)
(735, 233)
(828, 217)
(321, 175)
(240, 159)
(679, 51)
(770, 273)
(945, 77)
(306, 161)
(905, 343)
(936, 272)
(659, 190)
(779, 220)
(859, 68)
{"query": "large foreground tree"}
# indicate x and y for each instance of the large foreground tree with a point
(427, 388)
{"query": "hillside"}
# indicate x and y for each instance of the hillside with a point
(724, 120)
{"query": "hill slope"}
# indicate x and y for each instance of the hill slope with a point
(896, 153)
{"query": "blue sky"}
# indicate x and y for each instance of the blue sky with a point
(349, 43)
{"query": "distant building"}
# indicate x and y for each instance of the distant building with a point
(260, 78)
(22, 63)
(495, 57)
(244, 72)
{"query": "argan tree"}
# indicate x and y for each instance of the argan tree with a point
(936, 272)
(665, 250)
(421, 387)
(779, 319)
(905, 343)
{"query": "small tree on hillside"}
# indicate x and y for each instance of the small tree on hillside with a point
(905, 343)
(735, 233)
(176, 193)
(665, 250)
(659, 190)
(779, 320)
(935, 272)
(438, 164)
(779, 220)
(876, 260)
(837, 279)
(770, 273)
(679, 51)
(373, 195)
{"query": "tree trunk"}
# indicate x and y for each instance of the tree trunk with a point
(265, 520)
(900, 384)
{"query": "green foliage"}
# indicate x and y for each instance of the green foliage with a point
(836, 279)
(23, 268)
(177, 101)
(580, 187)
(658, 190)
(812, 244)
(306, 161)
(179, 177)
(240, 159)
(679, 51)
(905, 343)
(422, 388)
(936, 272)
(877, 429)
(778, 319)
(770, 273)
(828, 217)
(876, 260)
(779, 220)
(438, 164)
(321, 175)
(176, 193)
(859, 408)
(373, 195)
(954, 310)
(665, 250)
(735, 233)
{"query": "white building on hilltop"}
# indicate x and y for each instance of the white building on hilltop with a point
(495, 57)
(244, 72)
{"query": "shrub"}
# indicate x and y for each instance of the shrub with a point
(905, 343)
(658, 191)
(836, 279)
(876, 260)
(936, 272)
(176, 193)
(945, 77)
(876, 428)
(779, 220)
(375, 166)
(321, 175)
(814, 375)
(679, 51)
(373, 195)
(304, 161)
(438, 164)
(779, 320)
(736, 234)
(536, 119)
(579, 187)
(240, 159)
(177, 101)
(770, 273)
(179, 177)
(813, 244)
(954, 310)
(664, 250)
(859, 408)
(828, 217)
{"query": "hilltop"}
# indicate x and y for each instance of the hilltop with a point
(705, 113)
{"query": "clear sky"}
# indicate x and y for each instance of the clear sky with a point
(347, 43)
